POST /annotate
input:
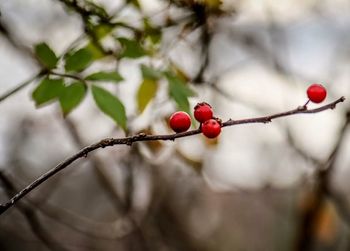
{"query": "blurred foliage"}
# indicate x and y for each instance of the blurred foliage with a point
(78, 60)
(62, 72)
(80, 71)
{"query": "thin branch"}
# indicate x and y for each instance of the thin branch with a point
(115, 229)
(38, 75)
(23, 49)
(306, 156)
(299, 110)
(84, 11)
(323, 190)
(143, 137)
(20, 86)
(66, 75)
(206, 38)
(339, 202)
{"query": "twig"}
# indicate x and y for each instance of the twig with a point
(338, 200)
(24, 49)
(66, 75)
(20, 86)
(206, 38)
(300, 109)
(41, 73)
(143, 137)
(306, 156)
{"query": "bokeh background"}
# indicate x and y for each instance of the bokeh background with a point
(277, 186)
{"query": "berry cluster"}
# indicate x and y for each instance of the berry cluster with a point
(203, 113)
(211, 126)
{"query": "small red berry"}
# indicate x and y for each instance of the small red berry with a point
(211, 128)
(180, 121)
(203, 112)
(316, 93)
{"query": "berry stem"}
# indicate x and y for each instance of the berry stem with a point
(307, 102)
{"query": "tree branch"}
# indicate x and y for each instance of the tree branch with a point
(300, 109)
(322, 191)
(20, 86)
(97, 165)
(143, 137)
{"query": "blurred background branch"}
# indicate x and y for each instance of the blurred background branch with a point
(120, 68)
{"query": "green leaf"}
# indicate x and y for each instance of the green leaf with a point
(78, 60)
(46, 55)
(179, 91)
(95, 51)
(47, 90)
(146, 92)
(72, 96)
(110, 105)
(150, 73)
(131, 48)
(102, 30)
(112, 76)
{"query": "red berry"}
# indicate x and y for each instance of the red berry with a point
(203, 112)
(211, 128)
(316, 93)
(180, 121)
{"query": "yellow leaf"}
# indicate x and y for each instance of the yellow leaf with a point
(146, 92)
